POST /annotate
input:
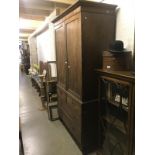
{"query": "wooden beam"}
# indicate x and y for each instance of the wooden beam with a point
(32, 17)
(34, 3)
(63, 1)
(23, 39)
(20, 37)
(32, 11)
(42, 4)
(26, 30)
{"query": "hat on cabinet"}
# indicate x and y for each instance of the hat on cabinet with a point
(117, 46)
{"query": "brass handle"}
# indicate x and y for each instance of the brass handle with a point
(69, 66)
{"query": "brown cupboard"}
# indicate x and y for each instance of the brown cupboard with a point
(117, 112)
(82, 32)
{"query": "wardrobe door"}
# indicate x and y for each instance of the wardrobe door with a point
(73, 42)
(61, 54)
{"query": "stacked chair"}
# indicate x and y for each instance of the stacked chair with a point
(51, 91)
(45, 82)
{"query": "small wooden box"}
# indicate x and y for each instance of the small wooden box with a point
(116, 61)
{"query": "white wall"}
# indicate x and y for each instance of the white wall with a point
(45, 49)
(33, 51)
(125, 22)
(52, 41)
(124, 31)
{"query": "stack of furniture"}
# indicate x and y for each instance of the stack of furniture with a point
(38, 78)
(45, 81)
(25, 57)
(51, 91)
(82, 32)
(52, 100)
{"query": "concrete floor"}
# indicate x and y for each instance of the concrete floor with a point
(41, 136)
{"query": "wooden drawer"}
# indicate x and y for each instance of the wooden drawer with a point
(70, 113)
(74, 110)
(71, 125)
(116, 61)
(71, 107)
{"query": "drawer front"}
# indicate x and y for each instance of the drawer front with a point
(74, 110)
(117, 62)
(69, 106)
(73, 128)
(70, 113)
(114, 64)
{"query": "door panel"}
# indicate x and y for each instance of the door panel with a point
(61, 55)
(73, 37)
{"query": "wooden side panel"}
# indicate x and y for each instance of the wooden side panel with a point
(73, 38)
(98, 31)
(90, 126)
(60, 55)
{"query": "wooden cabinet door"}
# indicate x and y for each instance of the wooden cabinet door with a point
(73, 42)
(61, 54)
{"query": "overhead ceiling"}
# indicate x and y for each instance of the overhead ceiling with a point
(32, 13)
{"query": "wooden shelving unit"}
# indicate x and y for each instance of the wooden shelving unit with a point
(116, 105)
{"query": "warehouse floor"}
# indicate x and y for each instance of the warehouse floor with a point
(41, 136)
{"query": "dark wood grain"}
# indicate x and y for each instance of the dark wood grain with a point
(61, 55)
(73, 30)
(116, 61)
(101, 7)
(82, 32)
(122, 78)
(122, 75)
(98, 31)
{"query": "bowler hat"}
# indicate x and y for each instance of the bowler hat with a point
(117, 46)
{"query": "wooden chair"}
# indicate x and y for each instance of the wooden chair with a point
(39, 81)
(42, 82)
(39, 78)
(52, 100)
